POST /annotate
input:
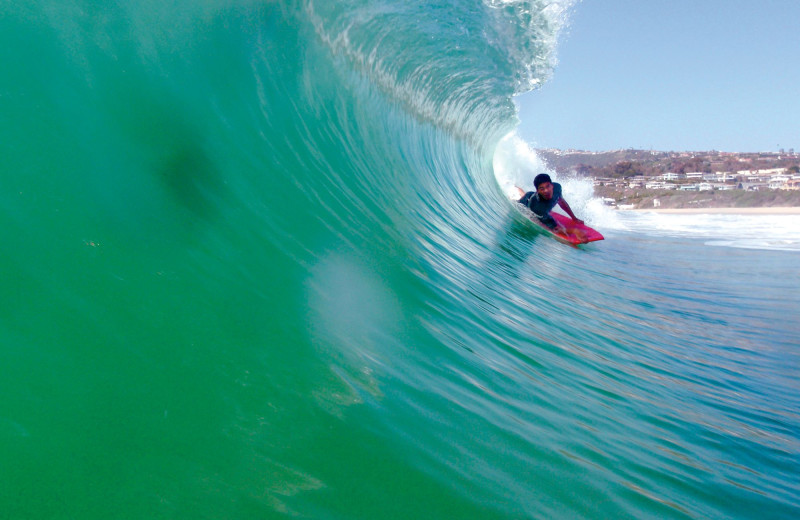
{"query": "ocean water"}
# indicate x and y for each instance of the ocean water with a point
(258, 262)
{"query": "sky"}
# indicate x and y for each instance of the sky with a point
(672, 75)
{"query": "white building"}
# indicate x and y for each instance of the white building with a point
(753, 186)
(777, 182)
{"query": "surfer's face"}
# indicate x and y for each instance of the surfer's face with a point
(545, 190)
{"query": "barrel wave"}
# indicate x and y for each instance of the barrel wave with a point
(257, 263)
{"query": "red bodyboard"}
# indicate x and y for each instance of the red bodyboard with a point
(582, 234)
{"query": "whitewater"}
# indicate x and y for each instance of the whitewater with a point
(259, 261)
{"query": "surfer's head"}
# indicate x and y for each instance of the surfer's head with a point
(541, 178)
(544, 186)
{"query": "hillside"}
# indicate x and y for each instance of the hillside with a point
(622, 175)
(625, 163)
(644, 199)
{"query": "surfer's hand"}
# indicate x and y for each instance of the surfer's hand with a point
(579, 221)
(577, 233)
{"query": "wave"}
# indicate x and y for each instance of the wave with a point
(766, 232)
(261, 263)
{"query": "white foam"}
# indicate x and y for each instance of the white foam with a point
(726, 230)
(516, 164)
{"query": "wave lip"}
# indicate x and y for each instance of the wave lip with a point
(456, 65)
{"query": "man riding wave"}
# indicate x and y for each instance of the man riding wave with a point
(544, 199)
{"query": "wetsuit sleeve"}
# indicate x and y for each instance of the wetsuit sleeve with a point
(548, 221)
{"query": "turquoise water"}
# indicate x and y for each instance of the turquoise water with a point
(257, 264)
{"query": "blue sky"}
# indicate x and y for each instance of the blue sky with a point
(672, 75)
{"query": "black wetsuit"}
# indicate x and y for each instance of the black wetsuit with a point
(541, 208)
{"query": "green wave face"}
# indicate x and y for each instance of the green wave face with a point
(256, 264)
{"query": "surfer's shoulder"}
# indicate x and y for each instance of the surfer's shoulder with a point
(525, 198)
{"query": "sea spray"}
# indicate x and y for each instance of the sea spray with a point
(257, 264)
(515, 164)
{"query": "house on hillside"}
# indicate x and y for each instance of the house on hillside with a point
(752, 186)
(777, 182)
(636, 181)
(603, 181)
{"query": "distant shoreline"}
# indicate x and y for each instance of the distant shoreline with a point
(721, 211)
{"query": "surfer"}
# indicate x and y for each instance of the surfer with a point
(545, 198)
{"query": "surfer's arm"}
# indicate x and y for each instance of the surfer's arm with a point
(563, 204)
(521, 192)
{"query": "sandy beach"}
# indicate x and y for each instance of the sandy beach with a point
(731, 211)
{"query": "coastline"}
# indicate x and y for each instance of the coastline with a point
(784, 210)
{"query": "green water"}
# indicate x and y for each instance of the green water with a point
(256, 265)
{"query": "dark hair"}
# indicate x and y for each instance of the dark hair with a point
(540, 179)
